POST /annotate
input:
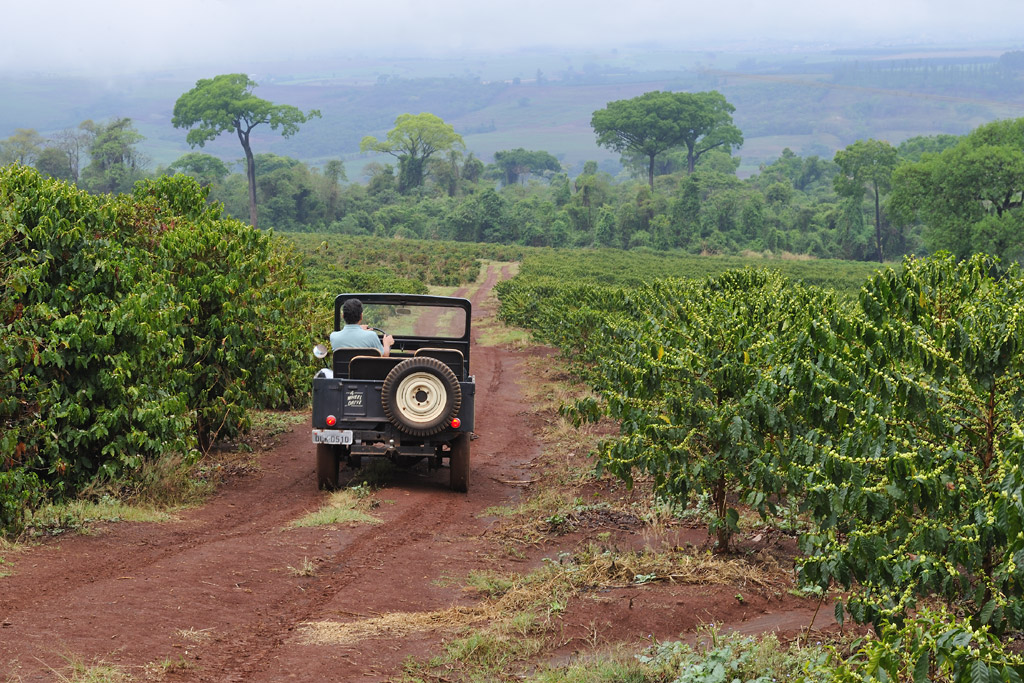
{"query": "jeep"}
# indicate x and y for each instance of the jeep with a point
(413, 404)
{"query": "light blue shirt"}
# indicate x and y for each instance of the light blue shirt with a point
(355, 337)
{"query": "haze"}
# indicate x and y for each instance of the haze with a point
(115, 36)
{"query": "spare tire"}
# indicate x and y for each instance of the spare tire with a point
(421, 395)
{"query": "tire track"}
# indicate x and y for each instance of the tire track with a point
(125, 596)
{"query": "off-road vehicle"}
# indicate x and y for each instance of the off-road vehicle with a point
(417, 403)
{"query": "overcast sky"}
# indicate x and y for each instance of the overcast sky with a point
(134, 35)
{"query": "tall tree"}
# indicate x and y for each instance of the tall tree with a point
(72, 143)
(226, 103)
(866, 167)
(656, 122)
(52, 163)
(519, 162)
(115, 165)
(413, 140)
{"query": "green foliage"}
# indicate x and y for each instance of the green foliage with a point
(866, 167)
(413, 140)
(656, 122)
(20, 493)
(908, 413)
(24, 147)
(681, 367)
(225, 103)
(935, 646)
(115, 163)
(732, 658)
(203, 167)
(895, 423)
(514, 163)
(131, 325)
(968, 196)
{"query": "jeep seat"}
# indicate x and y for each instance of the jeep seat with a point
(341, 357)
(453, 358)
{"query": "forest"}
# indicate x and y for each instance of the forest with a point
(850, 193)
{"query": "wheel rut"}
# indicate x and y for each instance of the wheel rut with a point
(216, 592)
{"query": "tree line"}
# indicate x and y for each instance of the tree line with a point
(871, 201)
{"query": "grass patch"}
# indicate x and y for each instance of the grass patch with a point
(347, 506)
(492, 332)
(733, 656)
(80, 515)
(78, 671)
(7, 550)
(306, 568)
(521, 611)
(618, 665)
(394, 624)
(168, 666)
(273, 422)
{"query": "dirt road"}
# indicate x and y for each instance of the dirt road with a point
(214, 596)
(210, 597)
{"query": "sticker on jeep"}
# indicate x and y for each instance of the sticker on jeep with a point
(354, 402)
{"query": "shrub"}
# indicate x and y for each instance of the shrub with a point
(133, 327)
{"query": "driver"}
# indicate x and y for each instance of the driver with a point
(355, 335)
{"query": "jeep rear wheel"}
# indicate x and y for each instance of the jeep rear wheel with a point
(421, 395)
(328, 458)
(458, 463)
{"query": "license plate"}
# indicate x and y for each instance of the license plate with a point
(336, 437)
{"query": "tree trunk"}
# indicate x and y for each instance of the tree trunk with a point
(250, 173)
(878, 226)
(650, 172)
(720, 505)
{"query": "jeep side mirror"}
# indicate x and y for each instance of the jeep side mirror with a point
(320, 351)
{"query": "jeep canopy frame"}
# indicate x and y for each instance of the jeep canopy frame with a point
(411, 342)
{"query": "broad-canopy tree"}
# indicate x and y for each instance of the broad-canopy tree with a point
(413, 140)
(205, 168)
(226, 103)
(866, 167)
(656, 122)
(969, 197)
(519, 162)
(23, 147)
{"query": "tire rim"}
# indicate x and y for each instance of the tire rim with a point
(421, 398)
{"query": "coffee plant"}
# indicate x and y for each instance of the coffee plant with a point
(908, 420)
(133, 327)
(932, 646)
(682, 367)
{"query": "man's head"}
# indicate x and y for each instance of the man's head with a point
(352, 311)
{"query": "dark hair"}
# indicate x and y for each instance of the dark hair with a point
(352, 311)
